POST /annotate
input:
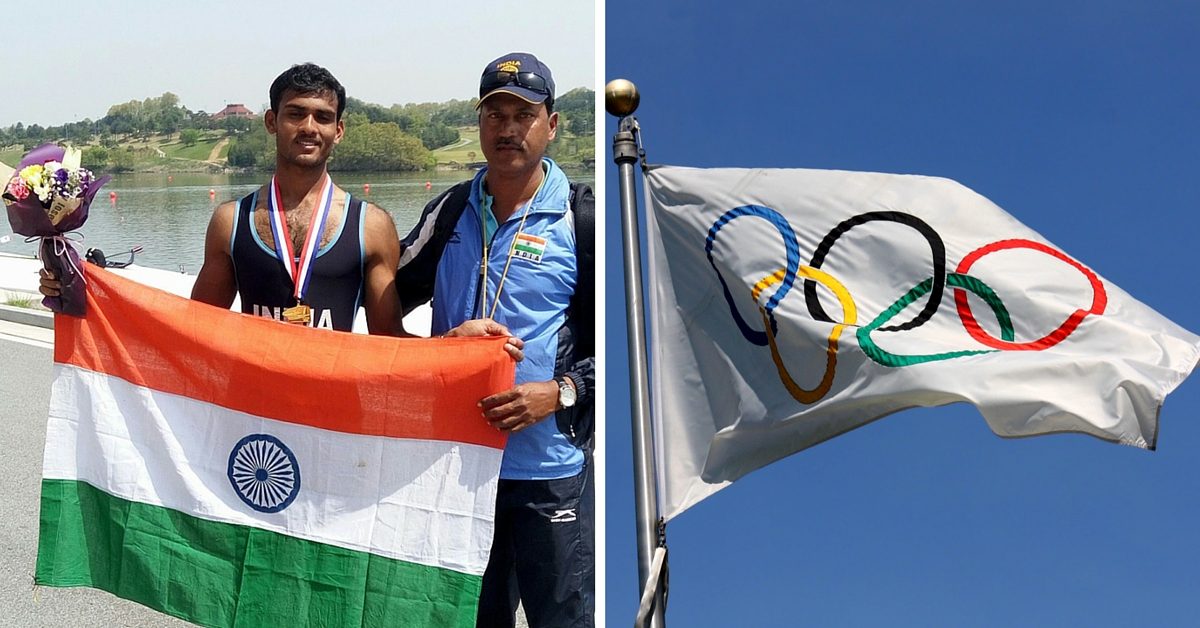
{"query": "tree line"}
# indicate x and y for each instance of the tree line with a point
(400, 137)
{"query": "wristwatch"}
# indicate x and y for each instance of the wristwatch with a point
(566, 393)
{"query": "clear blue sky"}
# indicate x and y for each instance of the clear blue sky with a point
(1081, 119)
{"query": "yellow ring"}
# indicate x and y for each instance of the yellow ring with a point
(849, 317)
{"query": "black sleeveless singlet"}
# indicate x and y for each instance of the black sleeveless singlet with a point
(336, 288)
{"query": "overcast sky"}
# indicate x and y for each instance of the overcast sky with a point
(83, 57)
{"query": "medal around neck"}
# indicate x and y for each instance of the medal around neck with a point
(299, 269)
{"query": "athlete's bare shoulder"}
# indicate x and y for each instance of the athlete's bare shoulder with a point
(379, 220)
(221, 223)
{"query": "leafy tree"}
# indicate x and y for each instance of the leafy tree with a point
(456, 113)
(168, 120)
(189, 137)
(123, 118)
(234, 126)
(378, 146)
(377, 113)
(436, 135)
(94, 157)
(122, 160)
(356, 118)
(241, 154)
(578, 106)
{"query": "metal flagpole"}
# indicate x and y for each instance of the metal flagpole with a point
(621, 99)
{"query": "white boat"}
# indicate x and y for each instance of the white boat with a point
(19, 279)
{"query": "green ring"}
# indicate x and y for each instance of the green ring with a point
(956, 280)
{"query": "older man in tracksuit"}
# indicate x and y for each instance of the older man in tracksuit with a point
(503, 246)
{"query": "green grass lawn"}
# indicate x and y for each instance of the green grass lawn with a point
(568, 150)
(462, 154)
(12, 156)
(199, 151)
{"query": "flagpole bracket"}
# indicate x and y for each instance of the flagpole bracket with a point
(621, 99)
(627, 146)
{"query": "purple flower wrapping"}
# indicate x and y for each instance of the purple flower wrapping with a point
(28, 218)
(60, 258)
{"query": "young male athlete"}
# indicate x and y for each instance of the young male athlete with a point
(511, 245)
(300, 248)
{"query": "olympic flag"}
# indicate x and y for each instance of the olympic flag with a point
(234, 471)
(788, 307)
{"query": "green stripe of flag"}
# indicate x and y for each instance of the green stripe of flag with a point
(195, 569)
(528, 249)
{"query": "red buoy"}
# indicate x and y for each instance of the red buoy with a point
(367, 189)
(428, 185)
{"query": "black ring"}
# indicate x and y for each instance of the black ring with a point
(935, 245)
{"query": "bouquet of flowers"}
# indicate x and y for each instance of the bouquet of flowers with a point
(48, 196)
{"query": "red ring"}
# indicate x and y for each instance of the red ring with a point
(1099, 299)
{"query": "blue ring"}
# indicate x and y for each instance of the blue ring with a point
(791, 245)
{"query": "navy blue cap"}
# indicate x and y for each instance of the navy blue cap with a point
(519, 74)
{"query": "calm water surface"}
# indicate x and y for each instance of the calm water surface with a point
(168, 218)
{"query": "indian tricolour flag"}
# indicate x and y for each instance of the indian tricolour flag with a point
(234, 471)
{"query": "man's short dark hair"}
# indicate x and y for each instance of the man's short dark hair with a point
(307, 78)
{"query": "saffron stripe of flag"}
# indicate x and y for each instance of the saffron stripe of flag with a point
(278, 493)
(351, 382)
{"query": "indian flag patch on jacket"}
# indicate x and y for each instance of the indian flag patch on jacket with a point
(529, 247)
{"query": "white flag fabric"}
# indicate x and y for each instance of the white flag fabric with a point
(790, 306)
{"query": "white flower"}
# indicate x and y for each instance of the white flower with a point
(72, 157)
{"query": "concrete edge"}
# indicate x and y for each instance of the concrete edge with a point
(26, 316)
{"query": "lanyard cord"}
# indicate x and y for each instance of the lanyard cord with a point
(511, 250)
(299, 272)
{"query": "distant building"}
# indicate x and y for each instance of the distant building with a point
(233, 111)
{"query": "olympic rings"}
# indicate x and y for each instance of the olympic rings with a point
(959, 280)
(849, 317)
(1099, 299)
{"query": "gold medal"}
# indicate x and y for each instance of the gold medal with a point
(299, 315)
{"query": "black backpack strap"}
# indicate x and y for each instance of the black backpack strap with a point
(578, 423)
(583, 206)
(422, 248)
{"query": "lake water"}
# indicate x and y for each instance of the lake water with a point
(168, 218)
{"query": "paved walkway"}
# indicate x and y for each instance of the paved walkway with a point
(216, 151)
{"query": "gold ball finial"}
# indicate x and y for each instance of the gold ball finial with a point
(621, 97)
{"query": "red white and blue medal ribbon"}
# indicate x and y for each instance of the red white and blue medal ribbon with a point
(300, 271)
